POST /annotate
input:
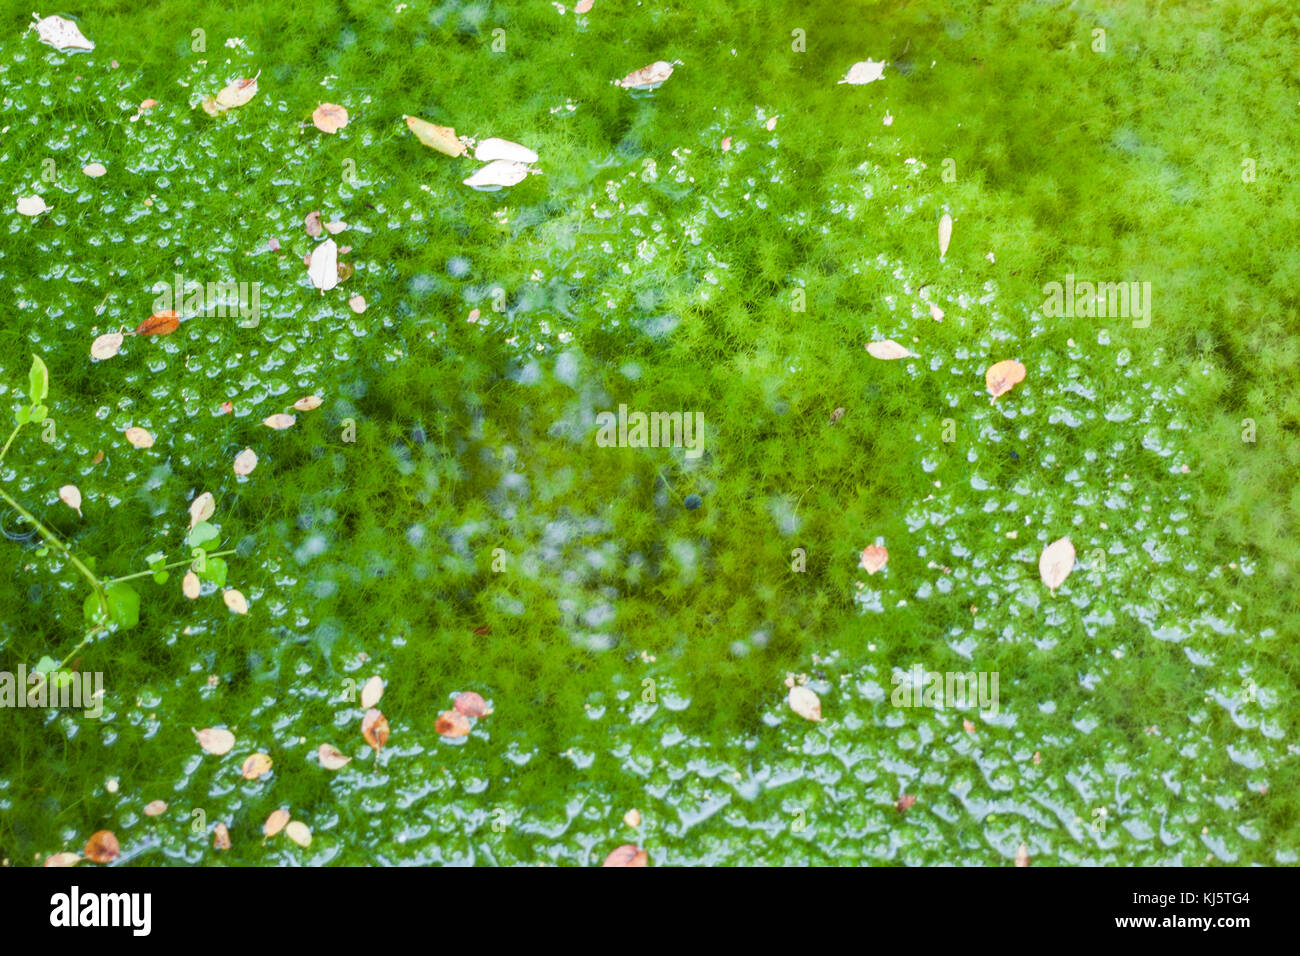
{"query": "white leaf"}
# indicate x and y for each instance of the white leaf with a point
(371, 692)
(498, 173)
(331, 758)
(202, 508)
(867, 71)
(139, 437)
(245, 462)
(945, 234)
(357, 304)
(490, 149)
(324, 267)
(279, 421)
(94, 170)
(1056, 562)
(31, 205)
(805, 703)
(888, 349)
(106, 346)
(60, 33)
(215, 740)
(70, 495)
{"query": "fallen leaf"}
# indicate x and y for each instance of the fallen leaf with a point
(633, 817)
(70, 495)
(904, 803)
(1056, 562)
(873, 558)
(279, 421)
(102, 847)
(245, 462)
(1038, 758)
(770, 124)
(582, 6)
(334, 228)
(255, 765)
(329, 118)
(441, 138)
(308, 403)
(275, 822)
(60, 33)
(492, 149)
(299, 833)
(627, 855)
(967, 726)
(227, 407)
(648, 77)
(936, 313)
(190, 585)
(221, 837)
(155, 808)
(139, 437)
(1003, 376)
(148, 104)
(323, 266)
(215, 740)
(945, 234)
(31, 206)
(94, 170)
(357, 303)
(63, 859)
(726, 144)
(237, 93)
(863, 72)
(374, 727)
(887, 350)
(331, 758)
(202, 508)
(1022, 856)
(312, 223)
(345, 269)
(107, 345)
(805, 703)
(235, 601)
(498, 173)
(452, 723)
(837, 415)
(471, 704)
(371, 692)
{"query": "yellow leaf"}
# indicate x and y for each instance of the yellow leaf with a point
(139, 437)
(255, 765)
(237, 93)
(215, 740)
(805, 703)
(329, 118)
(190, 585)
(155, 808)
(275, 822)
(307, 404)
(441, 138)
(371, 692)
(887, 350)
(235, 601)
(299, 833)
(331, 758)
(1056, 562)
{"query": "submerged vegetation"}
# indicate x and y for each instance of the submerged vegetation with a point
(476, 617)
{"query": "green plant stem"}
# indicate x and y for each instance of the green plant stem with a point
(54, 542)
(12, 435)
(166, 567)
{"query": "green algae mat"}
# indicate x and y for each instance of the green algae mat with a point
(761, 433)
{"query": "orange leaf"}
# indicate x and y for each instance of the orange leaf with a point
(1003, 377)
(255, 766)
(102, 847)
(160, 323)
(275, 822)
(873, 558)
(472, 705)
(452, 724)
(627, 855)
(221, 837)
(374, 727)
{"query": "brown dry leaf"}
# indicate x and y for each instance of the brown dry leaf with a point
(94, 170)
(102, 847)
(1022, 856)
(215, 740)
(329, 118)
(202, 508)
(139, 437)
(245, 462)
(299, 833)
(155, 808)
(371, 692)
(279, 422)
(255, 765)
(873, 558)
(312, 223)
(374, 727)
(357, 304)
(307, 404)
(1003, 376)
(107, 345)
(648, 77)
(633, 817)
(887, 350)
(471, 704)
(221, 837)
(1056, 562)
(837, 415)
(452, 723)
(441, 138)
(190, 585)
(275, 822)
(235, 600)
(63, 859)
(70, 495)
(331, 758)
(805, 703)
(627, 855)
(160, 323)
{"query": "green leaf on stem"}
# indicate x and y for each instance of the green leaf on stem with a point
(39, 381)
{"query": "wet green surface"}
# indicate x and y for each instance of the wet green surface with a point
(473, 537)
